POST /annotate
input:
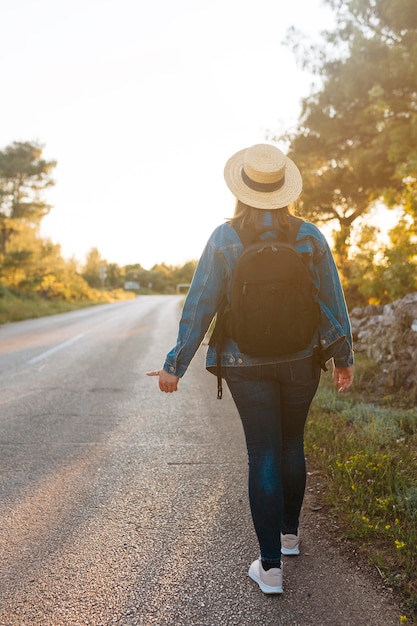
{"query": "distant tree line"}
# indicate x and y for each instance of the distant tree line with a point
(161, 278)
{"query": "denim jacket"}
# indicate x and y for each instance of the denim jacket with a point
(212, 282)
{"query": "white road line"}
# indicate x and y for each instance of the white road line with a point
(59, 346)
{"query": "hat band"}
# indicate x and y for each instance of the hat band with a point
(263, 187)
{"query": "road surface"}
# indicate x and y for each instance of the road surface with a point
(124, 506)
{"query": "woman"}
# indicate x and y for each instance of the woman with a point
(272, 394)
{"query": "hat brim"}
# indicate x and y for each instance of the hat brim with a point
(267, 200)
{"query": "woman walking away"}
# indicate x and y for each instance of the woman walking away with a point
(272, 392)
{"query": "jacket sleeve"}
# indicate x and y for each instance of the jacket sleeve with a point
(207, 289)
(334, 308)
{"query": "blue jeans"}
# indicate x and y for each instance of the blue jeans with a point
(273, 402)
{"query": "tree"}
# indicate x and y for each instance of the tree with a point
(356, 140)
(161, 280)
(115, 276)
(95, 269)
(24, 175)
(20, 263)
(400, 261)
(185, 273)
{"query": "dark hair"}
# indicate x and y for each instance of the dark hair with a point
(249, 216)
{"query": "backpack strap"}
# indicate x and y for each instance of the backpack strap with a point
(217, 340)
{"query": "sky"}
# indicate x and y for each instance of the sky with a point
(141, 103)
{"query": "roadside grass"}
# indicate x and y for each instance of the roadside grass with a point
(366, 454)
(16, 307)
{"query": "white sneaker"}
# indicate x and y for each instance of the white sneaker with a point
(270, 581)
(290, 544)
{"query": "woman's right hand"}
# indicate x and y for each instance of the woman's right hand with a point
(167, 382)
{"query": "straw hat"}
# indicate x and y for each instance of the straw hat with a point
(263, 177)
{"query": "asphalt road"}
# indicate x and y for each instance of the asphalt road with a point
(121, 505)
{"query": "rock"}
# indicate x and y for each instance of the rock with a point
(388, 335)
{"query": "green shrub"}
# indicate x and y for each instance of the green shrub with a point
(366, 453)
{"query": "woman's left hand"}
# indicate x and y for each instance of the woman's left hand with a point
(343, 377)
(167, 382)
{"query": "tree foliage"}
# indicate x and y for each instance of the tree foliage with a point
(356, 141)
(95, 270)
(24, 175)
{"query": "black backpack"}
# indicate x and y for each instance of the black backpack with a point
(272, 310)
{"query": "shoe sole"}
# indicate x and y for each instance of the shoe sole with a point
(290, 551)
(265, 588)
